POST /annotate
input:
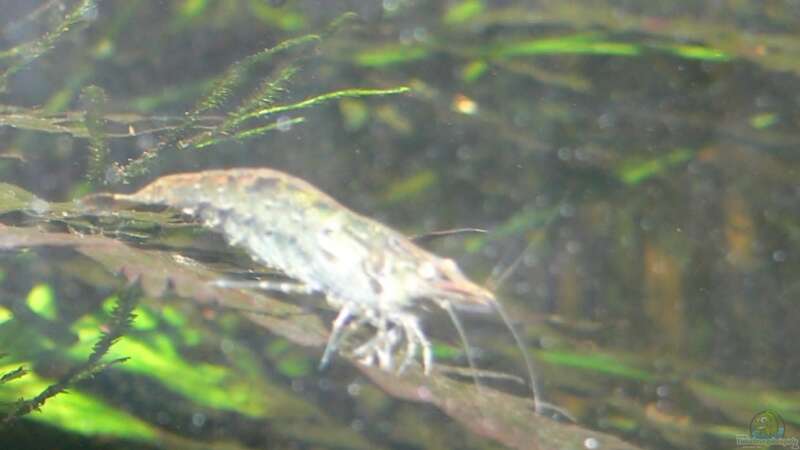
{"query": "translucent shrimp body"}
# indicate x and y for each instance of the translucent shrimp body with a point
(371, 273)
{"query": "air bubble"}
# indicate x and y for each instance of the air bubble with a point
(591, 443)
(284, 123)
(567, 210)
(391, 5)
(354, 389)
(198, 419)
(357, 425)
(573, 247)
(606, 121)
(421, 34)
(39, 206)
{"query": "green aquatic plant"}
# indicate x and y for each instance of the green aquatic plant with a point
(245, 120)
(12, 375)
(120, 322)
(94, 99)
(635, 172)
(22, 55)
(226, 112)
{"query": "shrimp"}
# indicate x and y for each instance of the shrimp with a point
(370, 273)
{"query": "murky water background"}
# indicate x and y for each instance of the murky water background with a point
(637, 161)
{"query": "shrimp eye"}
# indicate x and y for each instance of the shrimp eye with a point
(449, 265)
(427, 270)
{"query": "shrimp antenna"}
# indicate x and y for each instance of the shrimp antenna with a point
(537, 401)
(492, 283)
(467, 348)
(497, 278)
(431, 235)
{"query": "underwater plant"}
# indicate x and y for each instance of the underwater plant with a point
(258, 81)
(119, 323)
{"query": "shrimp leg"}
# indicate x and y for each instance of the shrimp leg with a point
(416, 338)
(345, 314)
